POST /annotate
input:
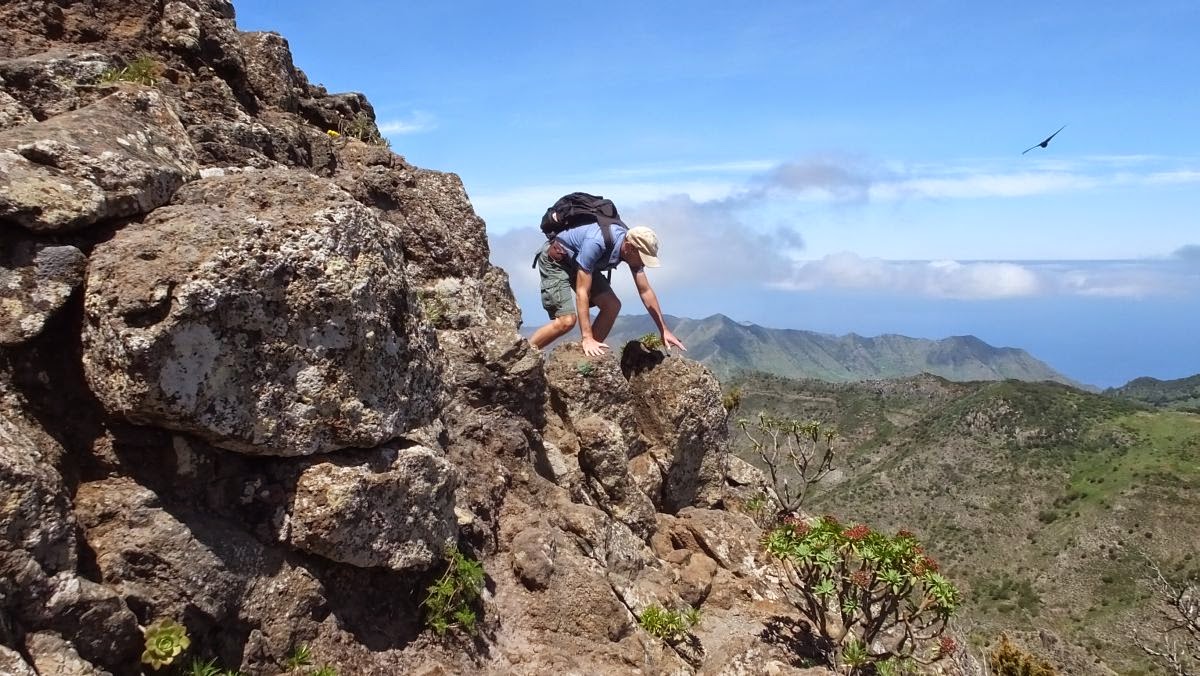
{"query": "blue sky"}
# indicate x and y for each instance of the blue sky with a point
(834, 166)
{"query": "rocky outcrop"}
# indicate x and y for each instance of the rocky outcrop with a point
(122, 156)
(256, 378)
(265, 312)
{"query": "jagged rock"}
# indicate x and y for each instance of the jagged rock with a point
(269, 70)
(333, 112)
(11, 663)
(731, 539)
(52, 656)
(602, 457)
(38, 550)
(580, 386)
(121, 156)
(264, 312)
(677, 404)
(577, 616)
(35, 281)
(35, 515)
(12, 113)
(533, 554)
(442, 235)
(93, 618)
(53, 82)
(151, 558)
(392, 508)
(696, 578)
(262, 143)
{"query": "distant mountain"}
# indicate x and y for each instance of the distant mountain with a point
(728, 347)
(1179, 394)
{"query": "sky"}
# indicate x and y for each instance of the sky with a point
(837, 166)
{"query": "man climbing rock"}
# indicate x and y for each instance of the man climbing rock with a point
(586, 238)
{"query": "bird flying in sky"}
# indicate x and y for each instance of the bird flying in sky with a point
(1045, 143)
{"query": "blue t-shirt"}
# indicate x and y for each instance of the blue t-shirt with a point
(586, 244)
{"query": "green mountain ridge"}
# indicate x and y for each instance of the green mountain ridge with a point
(1177, 394)
(728, 347)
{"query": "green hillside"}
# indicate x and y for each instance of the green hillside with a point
(1181, 394)
(1038, 498)
(728, 347)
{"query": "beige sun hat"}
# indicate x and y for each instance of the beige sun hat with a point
(646, 242)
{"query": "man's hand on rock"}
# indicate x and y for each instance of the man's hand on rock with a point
(593, 347)
(669, 340)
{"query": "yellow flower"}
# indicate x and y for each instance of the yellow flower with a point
(333, 133)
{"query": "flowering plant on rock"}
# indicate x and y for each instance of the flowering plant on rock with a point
(870, 596)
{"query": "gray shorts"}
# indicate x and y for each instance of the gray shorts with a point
(558, 284)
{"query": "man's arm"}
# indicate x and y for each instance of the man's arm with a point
(650, 300)
(583, 306)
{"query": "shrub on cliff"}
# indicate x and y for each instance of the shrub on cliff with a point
(871, 597)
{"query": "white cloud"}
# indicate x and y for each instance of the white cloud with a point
(983, 280)
(938, 279)
(418, 122)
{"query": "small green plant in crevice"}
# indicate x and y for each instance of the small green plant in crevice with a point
(450, 602)
(199, 667)
(672, 626)
(363, 128)
(143, 70)
(759, 508)
(435, 307)
(651, 341)
(300, 657)
(896, 667)
(166, 639)
(585, 368)
(872, 597)
(325, 670)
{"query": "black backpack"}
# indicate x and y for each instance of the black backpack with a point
(580, 208)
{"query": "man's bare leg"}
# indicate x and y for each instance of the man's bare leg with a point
(610, 307)
(553, 331)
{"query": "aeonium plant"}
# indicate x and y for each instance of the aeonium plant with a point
(165, 640)
(871, 596)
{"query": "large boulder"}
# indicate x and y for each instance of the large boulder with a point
(122, 156)
(390, 508)
(590, 421)
(153, 559)
(269, 70)
(35, 281)
(677, 405)
(266, 312)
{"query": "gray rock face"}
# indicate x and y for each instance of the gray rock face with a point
(269, 70)
(677, 403)
(53, 656)
(266, 312)
(35, 515)
(55, 82)
(131, 534)
(35, 281)
(391, 508)
(121, 156)
(12, 113)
